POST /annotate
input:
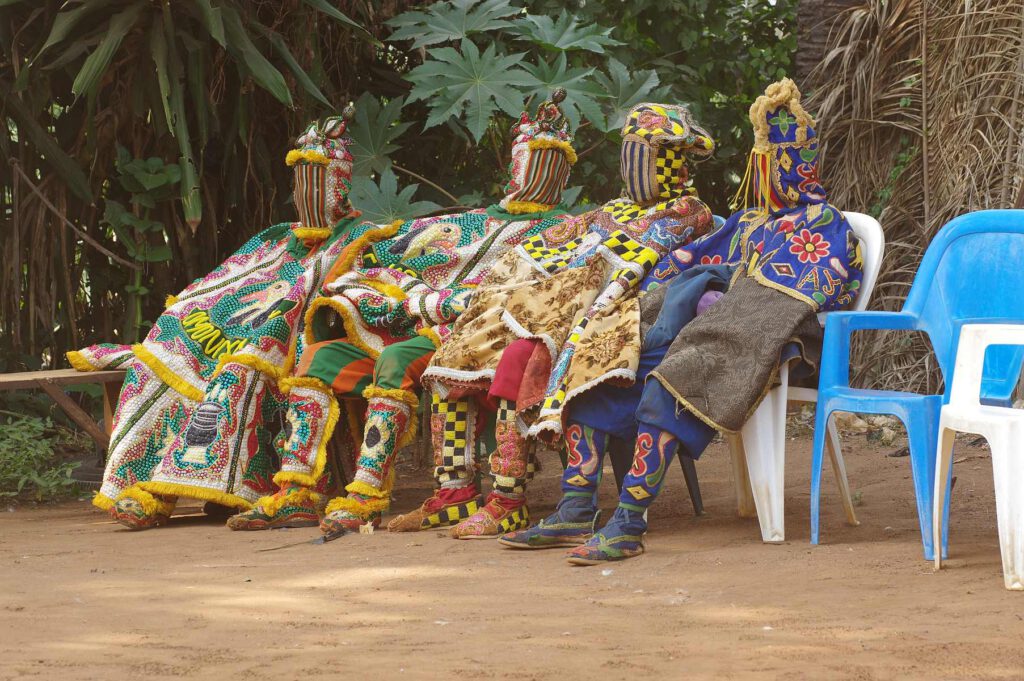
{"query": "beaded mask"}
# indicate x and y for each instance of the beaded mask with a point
(542, 155)
(657, 139)
(323, 175)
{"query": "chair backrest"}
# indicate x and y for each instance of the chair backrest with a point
(872, 245)
(973, 271)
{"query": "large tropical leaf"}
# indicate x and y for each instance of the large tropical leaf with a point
(333, 12)
(625, 90)
(213, 21)
(454, 20)
(563, 33)
(374, 132)
(580, 86)
(97, 62)
(383, 203)
(264, 73)
(469, 83)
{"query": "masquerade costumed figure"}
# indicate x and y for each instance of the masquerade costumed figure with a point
(711, 356)
(202, 392)
(392, 298)
(570, 288)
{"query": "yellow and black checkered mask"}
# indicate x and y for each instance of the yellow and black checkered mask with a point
(656, 140)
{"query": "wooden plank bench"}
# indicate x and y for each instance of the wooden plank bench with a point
(50, 382)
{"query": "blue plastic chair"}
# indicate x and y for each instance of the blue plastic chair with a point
(973, 271)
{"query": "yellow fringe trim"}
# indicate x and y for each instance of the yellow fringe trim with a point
(102, 502)
(520, 207)
(783, 93)
(320, 460)
(396, 394)
(311, 233)
(348, 256)
(166, 375)
(432, 335)
(315, 157)
(367, 490)
(570, 153)
(170, 300)
(360, 509)
(351, 328)
(203, 493)
(390, 290)
(79, 362)
(150, 504)
(253, 362)
(311, 382)
(271, 505)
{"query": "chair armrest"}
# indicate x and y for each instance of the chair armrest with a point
(835, 352)
(969, 365)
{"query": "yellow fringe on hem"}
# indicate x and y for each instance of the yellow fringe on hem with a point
(360, 509)
(167, 375)
(351, 329)
(522, 207)
(397, 394)
(202, 493)
(570, 153)
(296, 155)
(429, 333)
(102, 502)
(170, 300)
(253, 362)
(150, 504)
(286, 384)
(300, 497)
(79, 362)
(388, 289)
(320, 460)
(348, 256)
(311, 233)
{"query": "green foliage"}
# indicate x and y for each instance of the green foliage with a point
(219, 88)
(715, 57)
(382, 202)
(30, 468)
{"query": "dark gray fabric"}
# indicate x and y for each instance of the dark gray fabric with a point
(721, 363)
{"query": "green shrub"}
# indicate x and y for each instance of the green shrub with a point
(30, 465)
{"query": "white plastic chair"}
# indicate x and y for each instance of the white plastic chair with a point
(1002, 427)
(761, 443)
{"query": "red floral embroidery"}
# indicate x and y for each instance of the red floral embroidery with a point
(711, 260)
(809, 247)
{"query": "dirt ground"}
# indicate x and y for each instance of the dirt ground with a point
(82, 599)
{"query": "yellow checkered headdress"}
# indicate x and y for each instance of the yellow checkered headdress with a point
(657, 140)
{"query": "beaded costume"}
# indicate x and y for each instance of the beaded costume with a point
(386, 308)
(570, 288)
(204, 392)
(716, 330)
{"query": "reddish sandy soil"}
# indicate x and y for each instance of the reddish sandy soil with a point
(82, 599)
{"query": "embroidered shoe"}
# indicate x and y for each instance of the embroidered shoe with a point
(620, 539)
(291, 507)
(493, 520)
(140, 510)
(440, 510)
(352, 512)
(552, 533)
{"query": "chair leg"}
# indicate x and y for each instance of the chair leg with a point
(922, 431)
(741, 479)
(943, 464)
(822, 419)
(692, 484)
(835, 454)
(766, 467)
(1008, 474)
